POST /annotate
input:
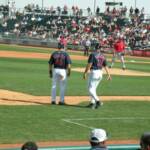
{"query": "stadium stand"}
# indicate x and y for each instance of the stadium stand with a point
(103, 27)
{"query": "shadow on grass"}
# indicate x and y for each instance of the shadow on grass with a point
(41, 103)
(24, 101)
(69, 105)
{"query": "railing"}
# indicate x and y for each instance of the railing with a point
(46, 11)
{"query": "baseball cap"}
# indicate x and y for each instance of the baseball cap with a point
(98, 135)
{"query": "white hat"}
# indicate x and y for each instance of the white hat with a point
(98, 135)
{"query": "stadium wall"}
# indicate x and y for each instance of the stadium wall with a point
(52, 43)
(30, 42)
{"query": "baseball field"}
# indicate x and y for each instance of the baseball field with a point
(26, 113)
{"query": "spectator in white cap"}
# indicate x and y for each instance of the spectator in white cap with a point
(145, 141)
(98, 139)
(29, 146)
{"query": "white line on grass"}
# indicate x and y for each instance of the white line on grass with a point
(74, 121)
(112, 118)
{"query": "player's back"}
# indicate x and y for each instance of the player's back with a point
(98, 60)
(59, 59)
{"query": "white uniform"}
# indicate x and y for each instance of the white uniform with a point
(96, 62)
(60, 61)
(95, 77)
(59, 76)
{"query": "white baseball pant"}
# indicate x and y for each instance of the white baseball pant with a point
(95, 77)
(59, 75)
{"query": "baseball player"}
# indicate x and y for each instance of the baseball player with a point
(87, 45)
(96, 62)
(59, 69)
(119, 50)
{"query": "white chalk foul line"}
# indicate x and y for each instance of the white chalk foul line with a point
(74, 121)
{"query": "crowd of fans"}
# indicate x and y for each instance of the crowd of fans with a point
(99, 27)
(98, 141)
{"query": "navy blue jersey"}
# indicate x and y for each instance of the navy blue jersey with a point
(60, 60)
(98, 61)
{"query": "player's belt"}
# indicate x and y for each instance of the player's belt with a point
(58, 68)
(95, 69)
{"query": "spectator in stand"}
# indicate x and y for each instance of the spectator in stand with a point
(114, 11)
(77, 11)
(136, 11)
(52, 11)
(132, 42)
(97, 11)
(145, 141)
(80, 12)
(65, 10)
(59, 10)
(89, 11)
(131, 11)
(98, 138)
(29, 146)
(63, 41)
(107, 10)
(73, 10)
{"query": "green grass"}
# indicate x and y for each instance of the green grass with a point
(31, 76)
(139, 67)
(23, 49)
(133, 66)
(44, 123)
(31, 49)
(131, 59)
(79, 63)
(19, 124)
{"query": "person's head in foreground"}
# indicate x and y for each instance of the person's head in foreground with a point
(29, 146)
(98, 139)
(145, 141)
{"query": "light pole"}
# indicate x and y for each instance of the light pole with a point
(42, 4)
(94, 6)
(135, 3)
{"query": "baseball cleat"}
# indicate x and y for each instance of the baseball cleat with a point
(98, 104)
(91, 105)
(123, 68)
(61, 103)
(53, 103)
